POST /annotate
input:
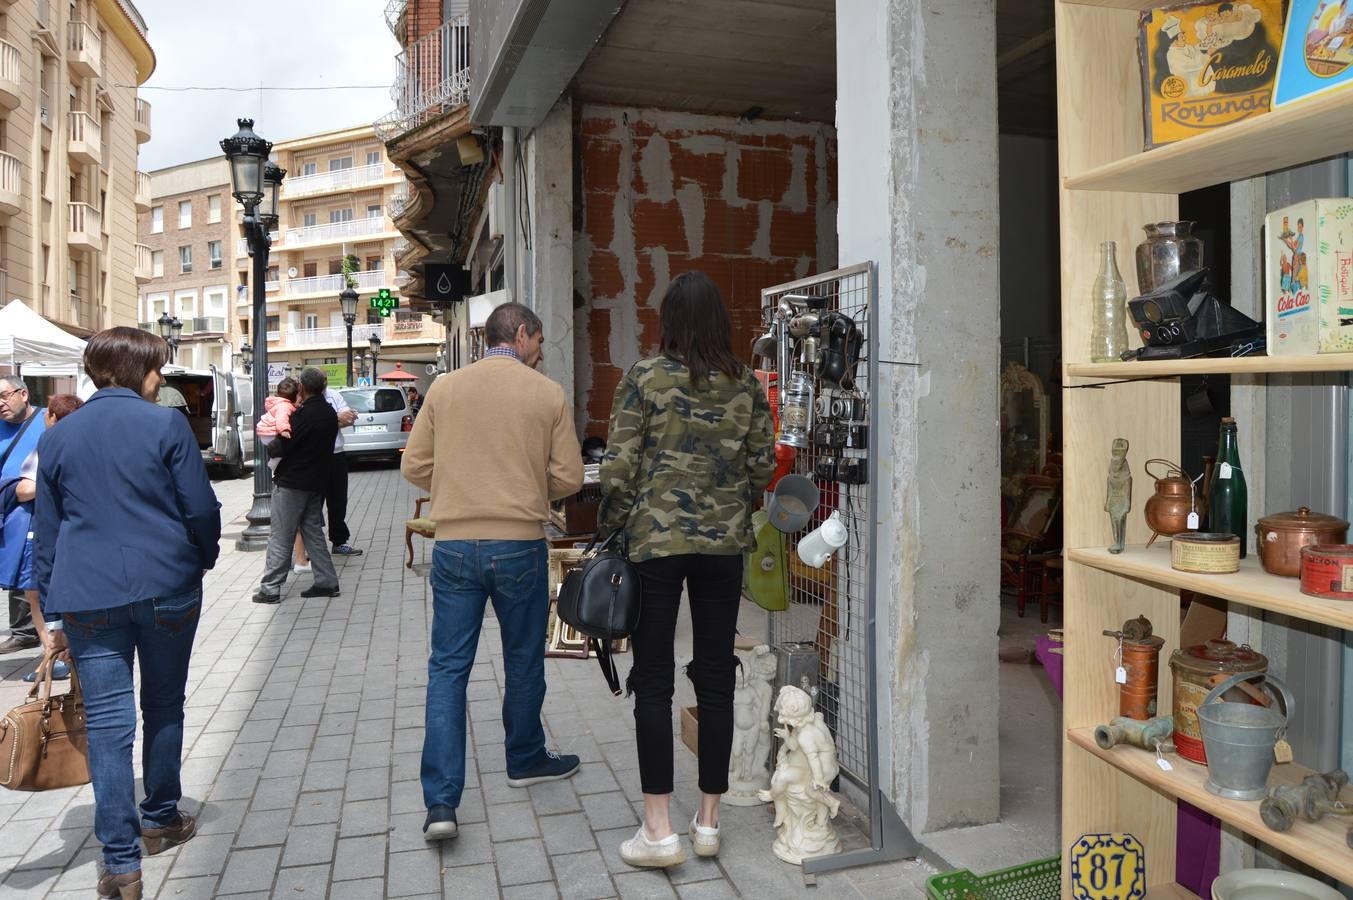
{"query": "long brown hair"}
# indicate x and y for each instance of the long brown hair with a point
(696, 330)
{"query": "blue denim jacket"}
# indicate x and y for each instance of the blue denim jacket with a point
(125, 511)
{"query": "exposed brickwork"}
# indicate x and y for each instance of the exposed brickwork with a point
(664, 193)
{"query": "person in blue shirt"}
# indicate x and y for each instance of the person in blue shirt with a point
(21, 425)
(126, 524)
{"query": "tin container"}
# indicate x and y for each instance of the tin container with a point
(1208, 553)
(1194, 669)
(1327, 571)
(1281, 536)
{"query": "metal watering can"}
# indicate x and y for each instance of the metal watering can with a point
(1239, 738)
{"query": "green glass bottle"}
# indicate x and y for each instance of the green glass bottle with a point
(1227, 504)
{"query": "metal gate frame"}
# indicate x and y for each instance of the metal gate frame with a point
(890, 838)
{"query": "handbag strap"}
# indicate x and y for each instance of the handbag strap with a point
(17, 437)
(607, 663)
(42, 680)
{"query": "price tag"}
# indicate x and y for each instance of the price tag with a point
(1105, 866)
(1224, 472)
(1120, 675)
(1282, 752)
(1162, 761)
(1193, 521)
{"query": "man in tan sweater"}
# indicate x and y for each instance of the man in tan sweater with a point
(493, 445)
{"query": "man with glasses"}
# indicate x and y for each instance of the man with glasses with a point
(21, 424)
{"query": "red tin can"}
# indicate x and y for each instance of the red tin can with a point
(1194, 669)
(1327, 571)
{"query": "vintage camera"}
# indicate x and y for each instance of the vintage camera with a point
(842, 470)
(1185, 318)
(831, 435)
(849, 409)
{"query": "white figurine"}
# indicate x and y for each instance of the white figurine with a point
(800, 787)
(749, 763)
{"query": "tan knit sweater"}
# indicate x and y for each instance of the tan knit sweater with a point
(493, 444)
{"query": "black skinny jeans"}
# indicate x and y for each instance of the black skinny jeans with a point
(715, 588)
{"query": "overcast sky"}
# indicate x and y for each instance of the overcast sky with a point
(307, 43)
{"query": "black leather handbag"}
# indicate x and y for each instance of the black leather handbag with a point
(600, 597)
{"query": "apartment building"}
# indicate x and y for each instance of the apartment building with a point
(337, 202)
(188, 229)
(69, 186)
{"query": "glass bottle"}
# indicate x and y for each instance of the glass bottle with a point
(1227, 499)
(1108, 299)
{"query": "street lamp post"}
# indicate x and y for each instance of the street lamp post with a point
(175, 336)
(255, 185)
(348, 300)
(247, 356)
(375, 343)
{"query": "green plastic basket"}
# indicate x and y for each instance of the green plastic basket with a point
(1040, 880)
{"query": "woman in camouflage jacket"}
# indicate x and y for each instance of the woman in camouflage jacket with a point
(690, 451)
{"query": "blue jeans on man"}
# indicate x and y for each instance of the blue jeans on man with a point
(103, 642)
(465, 576)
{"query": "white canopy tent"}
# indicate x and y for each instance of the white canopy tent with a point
(32, 346)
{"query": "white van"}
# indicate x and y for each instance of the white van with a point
(220, 409)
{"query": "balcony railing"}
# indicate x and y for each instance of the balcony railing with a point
(394, 12)
(144, 263)
(86, 137)
(431, 75)
(86, 225)
(11, 75)
(397, 203)
(141, 122)
(334, 231)
(332, 284)
(393, 329)
(204, 325)
(11, 184)
(243, 244)
(334, 180)
(85, 48)
(142, 196)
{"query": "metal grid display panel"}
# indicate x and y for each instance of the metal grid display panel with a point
(829, 606)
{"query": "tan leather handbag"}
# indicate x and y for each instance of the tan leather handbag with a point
(44, 743)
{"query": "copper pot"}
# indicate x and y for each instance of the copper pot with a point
(1281, 536)
(1167, 511)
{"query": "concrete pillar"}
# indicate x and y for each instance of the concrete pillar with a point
(916, 121)
(550, 270)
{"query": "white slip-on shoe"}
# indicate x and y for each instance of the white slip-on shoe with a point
(704, 838)
(641, 852)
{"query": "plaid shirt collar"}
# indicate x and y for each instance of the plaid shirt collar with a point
(502, 351)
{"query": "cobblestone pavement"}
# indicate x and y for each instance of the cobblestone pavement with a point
(304, 725)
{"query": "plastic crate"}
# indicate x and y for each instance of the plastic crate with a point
(1040, 880)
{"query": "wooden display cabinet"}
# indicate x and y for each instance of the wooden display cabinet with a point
(1109, 188)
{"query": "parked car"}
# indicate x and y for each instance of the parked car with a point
(220, 409)
(384, 420)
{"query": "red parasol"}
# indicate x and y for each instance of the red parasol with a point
(398, 374)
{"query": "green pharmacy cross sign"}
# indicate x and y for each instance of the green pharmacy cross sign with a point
(384, 302)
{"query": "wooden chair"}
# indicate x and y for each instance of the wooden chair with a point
(1031, 537)
(420, 525)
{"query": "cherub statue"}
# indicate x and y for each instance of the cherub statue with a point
(800, 788)
(748, 766)
(1118, 501)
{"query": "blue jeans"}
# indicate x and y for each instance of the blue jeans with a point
(465, 574)
(102, 642)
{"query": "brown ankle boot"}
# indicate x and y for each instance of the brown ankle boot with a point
(157, 840)
(124, 887)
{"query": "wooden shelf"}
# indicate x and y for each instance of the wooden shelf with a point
(1300, 132)
(1319, 844)
(1251, 586)
(1224, 365)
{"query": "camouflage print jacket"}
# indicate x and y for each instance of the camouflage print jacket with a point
(684, 466)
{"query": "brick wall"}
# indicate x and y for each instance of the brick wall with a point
(751, 204)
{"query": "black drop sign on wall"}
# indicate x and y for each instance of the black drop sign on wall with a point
(445, 282)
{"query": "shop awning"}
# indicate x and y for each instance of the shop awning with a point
(35, 346)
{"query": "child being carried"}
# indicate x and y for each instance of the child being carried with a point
(276, 421)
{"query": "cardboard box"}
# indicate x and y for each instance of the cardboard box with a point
(1206, 65)
(690, 728)
(1308, 297)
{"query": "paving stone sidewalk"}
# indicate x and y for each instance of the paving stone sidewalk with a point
(304, 726)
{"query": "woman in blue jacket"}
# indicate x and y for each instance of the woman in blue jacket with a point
(126, 524)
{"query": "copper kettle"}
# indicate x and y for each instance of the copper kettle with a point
(1167, 512)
